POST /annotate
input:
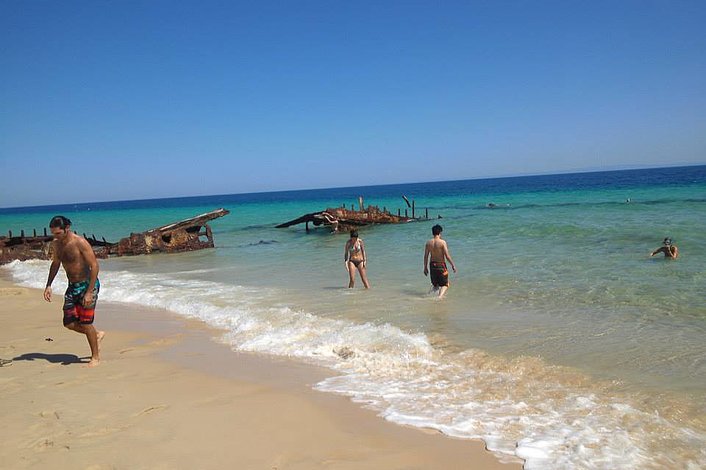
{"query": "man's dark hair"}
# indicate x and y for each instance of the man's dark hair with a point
(59, 221)
(437, 229)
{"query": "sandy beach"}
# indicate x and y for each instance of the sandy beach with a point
(167, 396)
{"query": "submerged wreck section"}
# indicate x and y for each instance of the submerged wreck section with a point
(343, 219)
(186, 235)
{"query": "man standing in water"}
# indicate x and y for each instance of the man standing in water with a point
(439, 251)
(81, 267)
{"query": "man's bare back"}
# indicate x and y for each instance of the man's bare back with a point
(438, 251)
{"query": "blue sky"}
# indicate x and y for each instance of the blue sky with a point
(139, 99)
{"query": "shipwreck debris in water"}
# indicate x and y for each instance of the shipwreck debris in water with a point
(23, 248)
(343, 219)
(186, 235)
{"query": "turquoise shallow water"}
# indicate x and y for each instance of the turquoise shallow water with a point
(560, 340)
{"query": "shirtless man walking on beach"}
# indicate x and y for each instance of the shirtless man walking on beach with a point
(439, 251)
(81, 267)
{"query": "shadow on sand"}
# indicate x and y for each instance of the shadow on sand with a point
(63, 359)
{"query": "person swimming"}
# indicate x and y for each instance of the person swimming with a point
(668, 248)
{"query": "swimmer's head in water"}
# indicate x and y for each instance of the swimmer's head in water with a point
(667, 242)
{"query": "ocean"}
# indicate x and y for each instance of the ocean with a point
(560, 341)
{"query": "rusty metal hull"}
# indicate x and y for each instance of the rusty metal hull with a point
(186, 235)
(24, 248)
(164, 241)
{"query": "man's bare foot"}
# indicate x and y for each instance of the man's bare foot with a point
(93, 362)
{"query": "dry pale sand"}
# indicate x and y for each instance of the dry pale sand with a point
(168, 397)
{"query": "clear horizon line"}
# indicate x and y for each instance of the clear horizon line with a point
(504, 176)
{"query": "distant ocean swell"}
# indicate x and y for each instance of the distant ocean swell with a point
(550, 416)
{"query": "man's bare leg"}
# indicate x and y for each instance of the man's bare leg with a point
(442, 291)
(93, 337)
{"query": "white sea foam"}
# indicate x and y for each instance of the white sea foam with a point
(518, 407)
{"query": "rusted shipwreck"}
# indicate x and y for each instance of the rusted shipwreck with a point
(343, 219)
(186, 235)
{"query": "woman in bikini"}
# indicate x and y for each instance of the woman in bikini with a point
(355, 258)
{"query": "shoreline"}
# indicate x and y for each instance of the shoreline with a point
(168, 395)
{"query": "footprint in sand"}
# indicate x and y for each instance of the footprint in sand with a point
(63, 384)
(106, 431)
(168, 341)
(151, 409)
(100, 432)
(137, 351)
(49, 414)
(43, 443)
(148, 347)
(7, 291)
